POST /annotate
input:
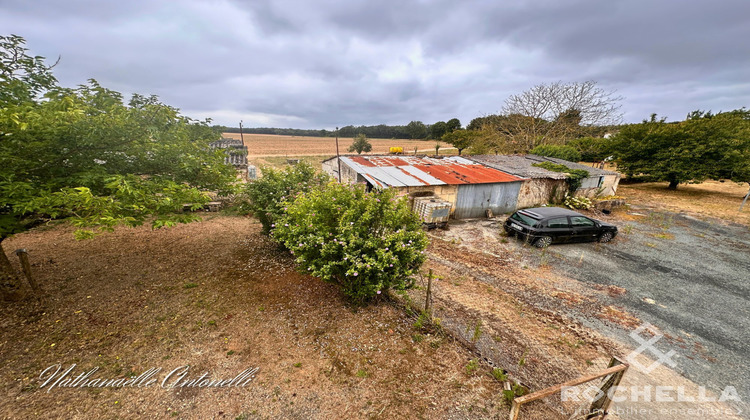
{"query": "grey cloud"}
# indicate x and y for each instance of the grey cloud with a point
(328, 63)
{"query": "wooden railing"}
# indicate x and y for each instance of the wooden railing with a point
(598, 406)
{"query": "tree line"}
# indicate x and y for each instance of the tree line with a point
(413, 130)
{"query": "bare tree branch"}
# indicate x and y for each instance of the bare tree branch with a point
(553, 113)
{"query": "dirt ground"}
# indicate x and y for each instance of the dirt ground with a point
(270, 145)
(652, 272)
(220, 297)
(708, 199)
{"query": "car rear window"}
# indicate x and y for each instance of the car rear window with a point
(526, 220)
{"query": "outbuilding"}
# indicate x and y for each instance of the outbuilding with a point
(542, 186)
(471, 188)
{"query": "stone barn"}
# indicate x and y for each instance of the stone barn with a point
(542, 186)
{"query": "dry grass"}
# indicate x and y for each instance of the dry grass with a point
(220, 297)
(293, 146)
(711, 198)
(280, 162)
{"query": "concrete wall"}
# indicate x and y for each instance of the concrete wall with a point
(589, 186)
(348, 174)
(331, 168)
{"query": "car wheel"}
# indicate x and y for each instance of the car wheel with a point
(510, 233)
(543, 242)
(606, 237)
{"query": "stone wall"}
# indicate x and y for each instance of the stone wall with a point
(538, 191)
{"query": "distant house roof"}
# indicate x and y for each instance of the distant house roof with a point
(523, 165)
(236, 160)
(225, 143)
(236, 152)
(414, 171)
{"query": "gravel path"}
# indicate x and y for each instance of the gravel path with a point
(686, 276)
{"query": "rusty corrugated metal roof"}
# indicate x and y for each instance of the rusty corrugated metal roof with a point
(401, 171)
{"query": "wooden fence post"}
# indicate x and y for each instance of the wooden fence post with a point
(617, 370)
(515, 409)
(24, 257)
(428, 298)
(600, 406)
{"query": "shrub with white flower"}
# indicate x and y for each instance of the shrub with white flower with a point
(267, 195)
(364, 242)
(578, 203)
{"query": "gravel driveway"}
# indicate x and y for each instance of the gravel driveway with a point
(688, 277)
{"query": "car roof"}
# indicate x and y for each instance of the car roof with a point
(545, 212)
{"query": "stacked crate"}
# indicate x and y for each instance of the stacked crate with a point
(433, 211)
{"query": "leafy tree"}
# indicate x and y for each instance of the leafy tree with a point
(480, 122)
(704, 146)
(361, 144)
(268, 195)
(736, 162)
(84, 155)
(501, 134)
(364, 242)
(416, 130)
(592, 149)
(461, 139)
(22, 77)
(487, 137)
(568, 153)
(438, 129)
(453, 125)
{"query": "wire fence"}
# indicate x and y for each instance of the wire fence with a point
(571, 400)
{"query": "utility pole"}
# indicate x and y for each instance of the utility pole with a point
(242, 138)
(338, 158)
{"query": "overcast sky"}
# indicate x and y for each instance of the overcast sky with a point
(319, 64)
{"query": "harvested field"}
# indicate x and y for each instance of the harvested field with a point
(220, 297)
(293, 146)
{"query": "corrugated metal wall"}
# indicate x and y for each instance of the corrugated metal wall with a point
(473, 199)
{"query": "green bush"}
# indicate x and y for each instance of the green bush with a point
(360, 144)
(568, 153)
(364, 242)
(267, 196)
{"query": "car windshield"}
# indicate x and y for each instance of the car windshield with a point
(526, 220)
